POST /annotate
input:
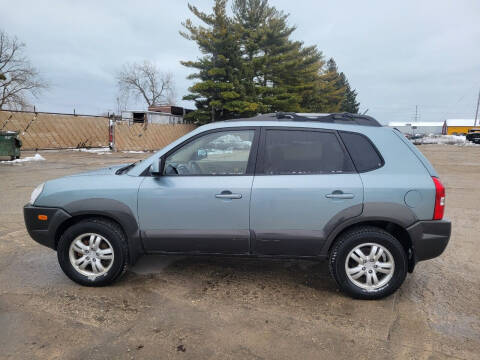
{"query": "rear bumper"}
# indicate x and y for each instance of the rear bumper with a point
(429, 238)
(43, 231)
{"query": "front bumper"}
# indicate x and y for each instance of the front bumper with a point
(44, 231)
(429, 238)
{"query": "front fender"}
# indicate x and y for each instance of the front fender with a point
(114, 210)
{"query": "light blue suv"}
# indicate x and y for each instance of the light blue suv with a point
(320, 186)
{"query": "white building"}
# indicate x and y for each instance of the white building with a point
(151, 117)
(420, 127)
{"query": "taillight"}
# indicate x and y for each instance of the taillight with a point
(439, 199)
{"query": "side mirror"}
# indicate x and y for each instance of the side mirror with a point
(155, 168)
(200, 154)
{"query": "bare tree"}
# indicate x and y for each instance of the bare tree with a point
(145, 81)
(18, 78)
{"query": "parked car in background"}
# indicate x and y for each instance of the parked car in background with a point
(474, 135)
(336, 187)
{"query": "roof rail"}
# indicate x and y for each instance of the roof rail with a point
(336, 118)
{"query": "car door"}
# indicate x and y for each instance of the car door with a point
(305, 184)
(200, 203)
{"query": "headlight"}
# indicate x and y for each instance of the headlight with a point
(35, 193)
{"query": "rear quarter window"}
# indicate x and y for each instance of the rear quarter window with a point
(363, 153)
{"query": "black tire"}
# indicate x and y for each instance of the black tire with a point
(347, 241)
(110, 231)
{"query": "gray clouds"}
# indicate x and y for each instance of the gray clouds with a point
(397, 54)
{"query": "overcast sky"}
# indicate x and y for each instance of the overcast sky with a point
(397, 54)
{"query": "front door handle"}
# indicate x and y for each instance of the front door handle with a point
(228, 195)
(337, 194)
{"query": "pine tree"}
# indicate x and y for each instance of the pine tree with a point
(349, 102)
(250, 65)
(332, 92)
(278, 71)
(328, 92)
(217, 94)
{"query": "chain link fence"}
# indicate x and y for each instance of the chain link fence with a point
(67, 131)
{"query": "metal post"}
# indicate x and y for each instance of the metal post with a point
(476, 113)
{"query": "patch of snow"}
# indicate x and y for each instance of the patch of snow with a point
(98, 151)
(457, 140)
(134, 152)
(37, 157)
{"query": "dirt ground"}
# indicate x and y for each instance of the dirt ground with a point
(197, 308)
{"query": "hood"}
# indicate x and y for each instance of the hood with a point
(104, 171)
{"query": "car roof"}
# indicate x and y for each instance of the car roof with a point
(333, 118)
(342, 122)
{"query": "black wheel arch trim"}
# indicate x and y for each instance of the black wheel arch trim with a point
(397, 214)
(48, 233)
(376, 212)
(115, 210)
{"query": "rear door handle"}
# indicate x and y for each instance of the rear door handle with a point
(228, 195)
(339, 195)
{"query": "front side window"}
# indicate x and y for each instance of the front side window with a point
(289, 152)
(217, 153)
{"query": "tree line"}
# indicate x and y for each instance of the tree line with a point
(250, 64)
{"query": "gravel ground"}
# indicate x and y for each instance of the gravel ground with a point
(196, 308)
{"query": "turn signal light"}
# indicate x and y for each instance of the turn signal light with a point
(42, 217)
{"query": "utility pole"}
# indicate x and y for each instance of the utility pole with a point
(416, 114)
(476, 113)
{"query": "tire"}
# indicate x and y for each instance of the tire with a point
(111, 252)
(364, 238)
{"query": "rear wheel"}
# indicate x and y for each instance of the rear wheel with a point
(93, 252)
(368, 263)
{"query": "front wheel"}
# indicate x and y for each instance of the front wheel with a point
(93, 252)
(368, 263)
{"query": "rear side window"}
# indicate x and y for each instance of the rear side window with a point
(292, 152)
(362, 151)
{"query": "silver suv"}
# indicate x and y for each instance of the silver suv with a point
(338, 187)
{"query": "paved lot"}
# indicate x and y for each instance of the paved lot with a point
(197, 308)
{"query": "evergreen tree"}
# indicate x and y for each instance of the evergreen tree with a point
(278, 71)
(328, 92)
(332, 93)
(349, 103)
(250, 65)
(217, 94)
